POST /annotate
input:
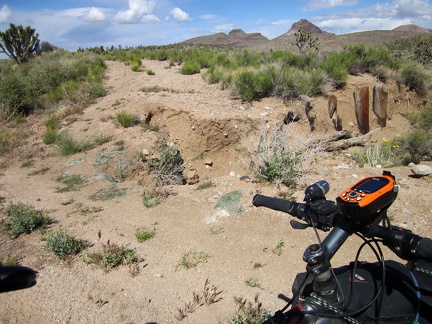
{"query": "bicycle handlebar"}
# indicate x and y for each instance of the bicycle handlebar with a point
(323, 215)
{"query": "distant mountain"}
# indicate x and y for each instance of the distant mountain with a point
(237, 38)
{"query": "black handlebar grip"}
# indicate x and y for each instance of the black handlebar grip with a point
(424, 249)
(16, 277)
(278, 204)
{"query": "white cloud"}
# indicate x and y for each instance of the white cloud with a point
(347, 25)
(150, 18)
(95, 15)
(207, 17)
(223, 28)
(138, 11)
(180, 15)
(412, 8)
(321, 4)
(5, 14)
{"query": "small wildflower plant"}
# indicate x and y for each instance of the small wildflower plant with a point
(385, 153)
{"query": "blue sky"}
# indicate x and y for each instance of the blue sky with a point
(71, 24)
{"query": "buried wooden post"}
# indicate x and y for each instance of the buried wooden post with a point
(333, 114)
(379, 103)
(361, 106)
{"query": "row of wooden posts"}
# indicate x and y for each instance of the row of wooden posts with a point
(362, 107)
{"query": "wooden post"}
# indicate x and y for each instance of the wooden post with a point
(379, 106)
(361, 106)
(332, 111)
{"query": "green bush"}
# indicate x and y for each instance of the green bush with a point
(144, 235)
(13, 96)
(23, 219)
(125, 119)
(45, 80)
(63, 245)
(190, 68)
(414, 77)
(415, 146)
(114, 255)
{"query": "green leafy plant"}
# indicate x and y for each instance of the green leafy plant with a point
(72, 182)
(9, 260)
(23, 219)
(113, 255)
(109, 193)
(205, 185)
(151, 197)
(63, 245)
(192, 259)
(278, 249)
(144, 235)
(253, 282)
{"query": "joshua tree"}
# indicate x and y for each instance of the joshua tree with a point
(19, 42)
(304, 38)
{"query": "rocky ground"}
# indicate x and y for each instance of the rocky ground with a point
(253, 251)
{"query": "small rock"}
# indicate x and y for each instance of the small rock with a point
(421, 170)
(245, 178)
(233, 174)
(208, 162)
(145, 152)
(192, 177)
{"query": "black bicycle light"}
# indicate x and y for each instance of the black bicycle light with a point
(316, 191)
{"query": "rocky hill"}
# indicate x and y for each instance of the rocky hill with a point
(237, 38)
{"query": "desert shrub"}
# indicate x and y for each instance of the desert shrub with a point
(113, 255)
(6, 140)
(136, 63)
(45, 80)
(273, 159)
(422, 118)
(244, 85)
(151, 198)
(23, 219)
(169, 166)
(62, 244)
(415, 146)
(336, 65)
(125, 119)
(189, 68)
(292, 82)
(13, 96)
(67, 145)
(414, 77)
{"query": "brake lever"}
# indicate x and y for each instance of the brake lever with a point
(297, 225)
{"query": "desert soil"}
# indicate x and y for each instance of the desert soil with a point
(207, 125)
